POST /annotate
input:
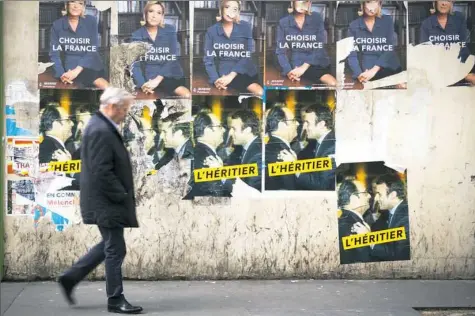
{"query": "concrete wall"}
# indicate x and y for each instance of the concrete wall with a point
(428, 129)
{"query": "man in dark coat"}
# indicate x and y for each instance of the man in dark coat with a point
(106, 198)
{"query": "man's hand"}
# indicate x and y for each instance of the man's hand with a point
(359, 228)
(286, 156)
(213, 162)
(61, 155)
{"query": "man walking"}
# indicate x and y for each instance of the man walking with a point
(106, 198)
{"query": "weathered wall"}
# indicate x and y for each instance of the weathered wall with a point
(427, 129)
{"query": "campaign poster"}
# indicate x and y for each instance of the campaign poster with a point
(446, 26)
(63, 116)
(154, 43)
(300, 45)
(371, 44)
(373, 213)
(228, 48)
(74, 43)
(158, 136)
(300, 140)
(227, 134)
(22, 157)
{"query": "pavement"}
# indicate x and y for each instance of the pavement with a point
(259, 298)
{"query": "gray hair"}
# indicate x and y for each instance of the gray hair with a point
(115, 96)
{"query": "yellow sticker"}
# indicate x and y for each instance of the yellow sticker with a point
(228, 172)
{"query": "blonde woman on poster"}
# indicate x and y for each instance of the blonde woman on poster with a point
(159, 68)
(74, 48)
(446, 27)
(373, 56)
(228, 49)
(300, 45)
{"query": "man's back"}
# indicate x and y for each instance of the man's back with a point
(107, 188)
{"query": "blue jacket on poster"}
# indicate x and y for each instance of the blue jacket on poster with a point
(370, 45)
(223, 55)
(161, 59)
(79, 48)
(313, 32)
(455, 32)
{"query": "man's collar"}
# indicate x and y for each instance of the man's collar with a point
(58, 140)
(180, 147)
(246, 146)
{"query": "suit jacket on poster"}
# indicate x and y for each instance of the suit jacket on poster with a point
(187, 151)
(345, 222)
(47, 147)
(107, 186)
(75, 184)
(321, 180)
(216, 188)
(272, 150)
(396, 250)
(253, 154)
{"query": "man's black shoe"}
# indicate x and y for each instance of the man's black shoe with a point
(67, 289)
(121, 306)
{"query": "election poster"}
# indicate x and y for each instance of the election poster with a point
(158, 136)
(228, 48)
(446, 28)
(63, 116)
(74, 43)
(300, 140)
(22, 157)
(373, 213)
(371, 44)
(227, 139)
(300, 45)
(152, 59)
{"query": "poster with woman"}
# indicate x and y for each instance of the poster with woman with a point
(74, 41)
(372, 44)
(300, 47)
(228, 46)
(161, 67)
(448, 27)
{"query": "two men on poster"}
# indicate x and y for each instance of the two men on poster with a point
(244, 129)
(358, 240)
(281, 126)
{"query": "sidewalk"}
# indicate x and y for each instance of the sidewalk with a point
(263, 298)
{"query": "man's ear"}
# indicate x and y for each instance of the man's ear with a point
(392, 195)
(55, 126)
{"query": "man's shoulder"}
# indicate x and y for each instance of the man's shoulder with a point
(201, 149)
(97, 126)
